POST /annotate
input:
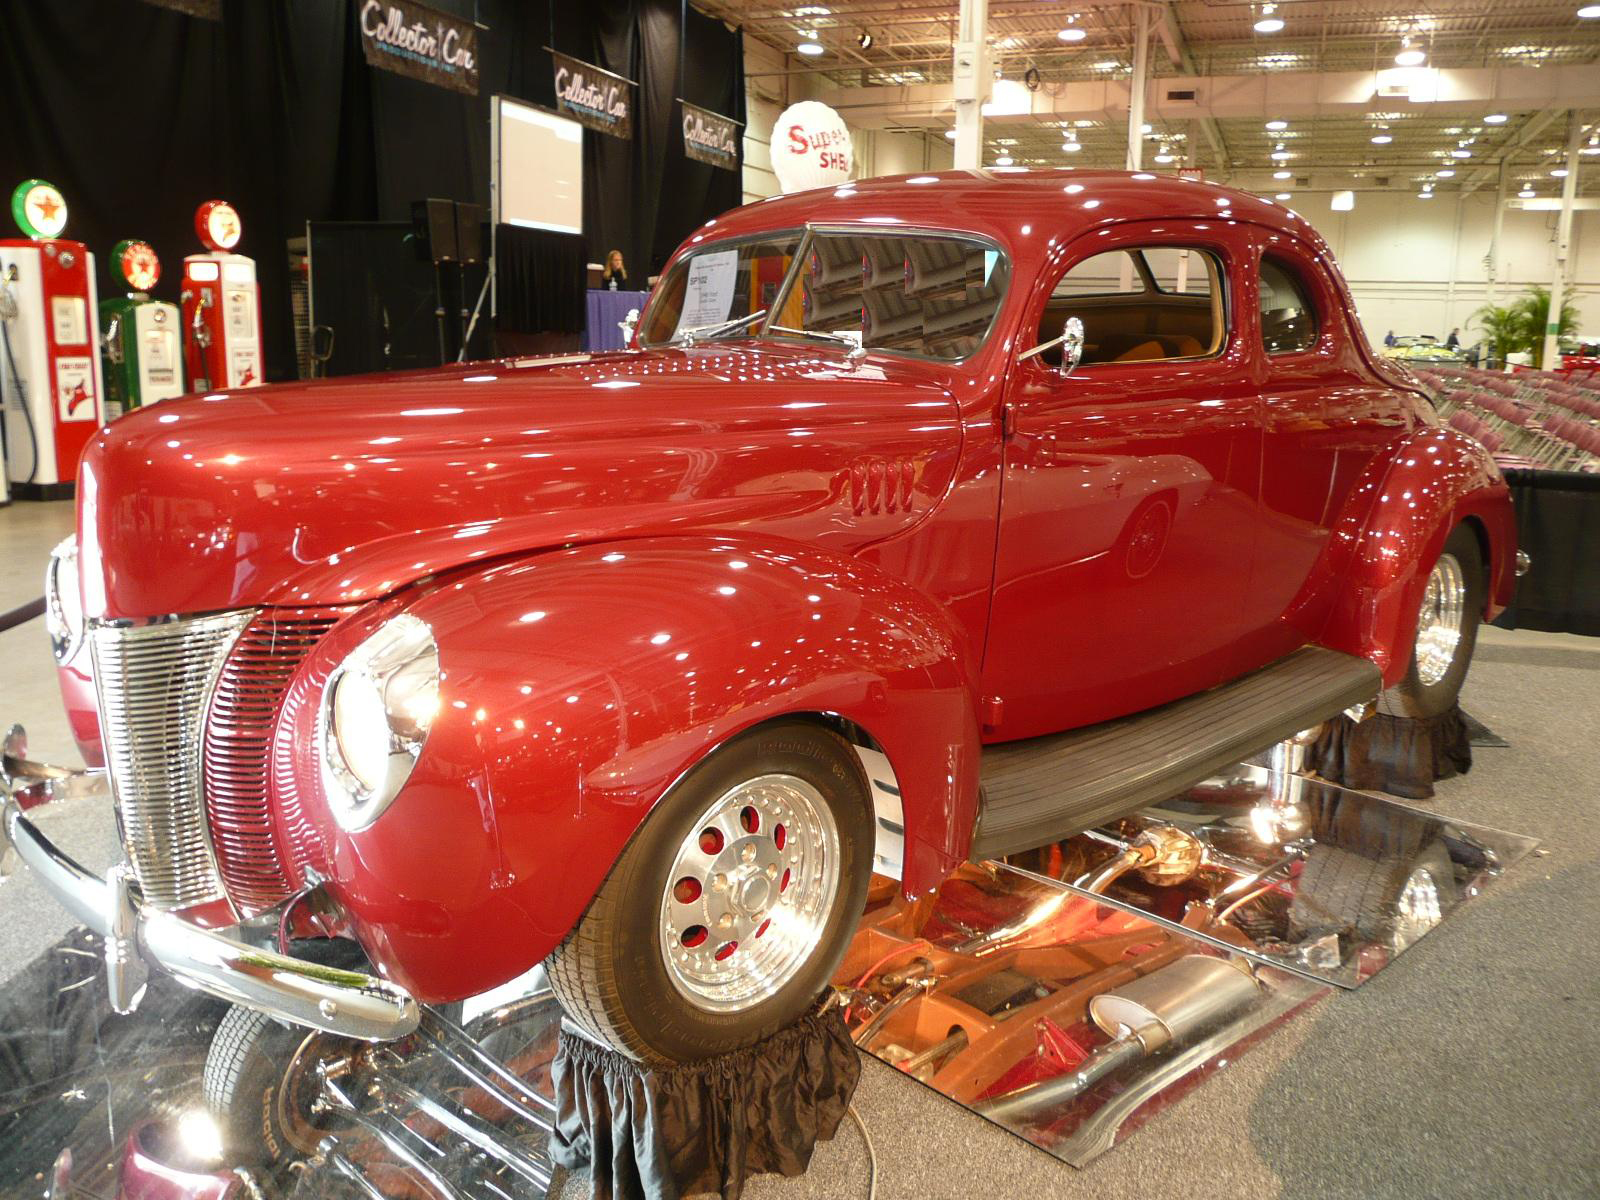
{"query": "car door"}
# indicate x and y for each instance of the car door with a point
(1129, 491)
(1324, 420)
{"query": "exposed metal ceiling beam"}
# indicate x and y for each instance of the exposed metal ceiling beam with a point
(1178, 52)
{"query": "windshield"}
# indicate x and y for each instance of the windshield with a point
(714, 286)
(920, 294)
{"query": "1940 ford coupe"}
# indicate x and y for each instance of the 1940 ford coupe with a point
(930, 518)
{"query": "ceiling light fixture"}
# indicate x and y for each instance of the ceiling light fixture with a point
(1461, 152)
(1282, 174)
(1269, 22)
(810, 48)
(1284, 196)
(1589, 11)
(1003, 161)
(1279, 154)
(864, 40)
(1558, 173)
(1277, 126)
(1381, 139)
(951, 134)
(1073, 32)
(1496, 119)
(1409, 56)
(1445, 173)
(1526, 193)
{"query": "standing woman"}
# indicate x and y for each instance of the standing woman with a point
(615, 276)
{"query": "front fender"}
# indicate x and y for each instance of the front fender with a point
(579, 684)
(1436, 479)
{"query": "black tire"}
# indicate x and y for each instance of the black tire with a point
(244, 1082)
(610, 974)
(1412, 697)
(1354, 895)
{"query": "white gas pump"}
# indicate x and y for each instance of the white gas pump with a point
(50, 382)
(221, 305)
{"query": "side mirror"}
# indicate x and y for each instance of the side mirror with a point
(1071, 343)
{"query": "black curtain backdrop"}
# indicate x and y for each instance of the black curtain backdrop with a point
(138, 114)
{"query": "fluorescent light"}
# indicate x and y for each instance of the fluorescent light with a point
(1109, 64)
(1073, 34)
(1277, 126)
(810, 49)
(1495, 119)
(1343, 201)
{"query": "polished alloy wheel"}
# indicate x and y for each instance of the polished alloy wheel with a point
(750, 892)
(1444, 606)
(1418, 908)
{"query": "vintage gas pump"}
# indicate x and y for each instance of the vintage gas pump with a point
(221, 306)
(49, 366)
(138, 335)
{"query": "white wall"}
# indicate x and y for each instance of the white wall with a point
(1419, 266)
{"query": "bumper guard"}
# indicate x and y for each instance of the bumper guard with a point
(139, 937)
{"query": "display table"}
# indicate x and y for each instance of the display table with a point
(605, 310)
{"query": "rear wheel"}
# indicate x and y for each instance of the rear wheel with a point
(1447, 631)
(729, 911)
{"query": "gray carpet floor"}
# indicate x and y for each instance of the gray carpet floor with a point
(1469, 1068)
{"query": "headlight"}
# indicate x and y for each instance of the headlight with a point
(63, 601)
(376, 712)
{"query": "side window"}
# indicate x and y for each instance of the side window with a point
(1288, 320)
(1140, 305)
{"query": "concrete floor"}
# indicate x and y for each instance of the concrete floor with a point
(1467, 1069)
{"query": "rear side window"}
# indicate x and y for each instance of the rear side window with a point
(1288, 320)
(1140, 305)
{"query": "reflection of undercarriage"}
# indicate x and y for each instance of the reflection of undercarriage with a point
(1060, 992)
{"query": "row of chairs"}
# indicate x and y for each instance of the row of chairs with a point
(1531, 418)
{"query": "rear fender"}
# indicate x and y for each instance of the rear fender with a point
(579, 684)
(1436, 479)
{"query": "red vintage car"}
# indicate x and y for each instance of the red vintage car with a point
(931, 518)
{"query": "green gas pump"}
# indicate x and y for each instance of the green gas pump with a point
(140, 338)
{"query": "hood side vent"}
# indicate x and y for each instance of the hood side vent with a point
(881, 485)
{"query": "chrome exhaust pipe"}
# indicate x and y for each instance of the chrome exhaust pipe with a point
(1172, 1004)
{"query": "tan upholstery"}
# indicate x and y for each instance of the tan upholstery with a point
(1143, 352)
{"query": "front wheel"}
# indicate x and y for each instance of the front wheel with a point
(730, 909)
(1447, 631)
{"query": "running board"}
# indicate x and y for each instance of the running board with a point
(1039, 790)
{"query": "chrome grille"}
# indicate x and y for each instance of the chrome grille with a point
(154, 684)
(238, 753)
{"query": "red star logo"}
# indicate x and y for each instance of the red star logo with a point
(47, 206)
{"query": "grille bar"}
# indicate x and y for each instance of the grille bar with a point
(154, 684)
(238, 753)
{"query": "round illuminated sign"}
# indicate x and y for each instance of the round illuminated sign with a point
(217, 223)
(810, 147)
(137, 263)
(39, 210)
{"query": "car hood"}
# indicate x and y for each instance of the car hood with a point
(341, 491)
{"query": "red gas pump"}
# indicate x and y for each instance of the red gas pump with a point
(221, 305)
(49, 347)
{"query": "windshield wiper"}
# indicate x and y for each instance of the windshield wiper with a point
(687, 337)
(857, 350)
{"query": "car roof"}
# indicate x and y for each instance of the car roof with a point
(1011, 206)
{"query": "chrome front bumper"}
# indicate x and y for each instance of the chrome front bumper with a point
(139, 937)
